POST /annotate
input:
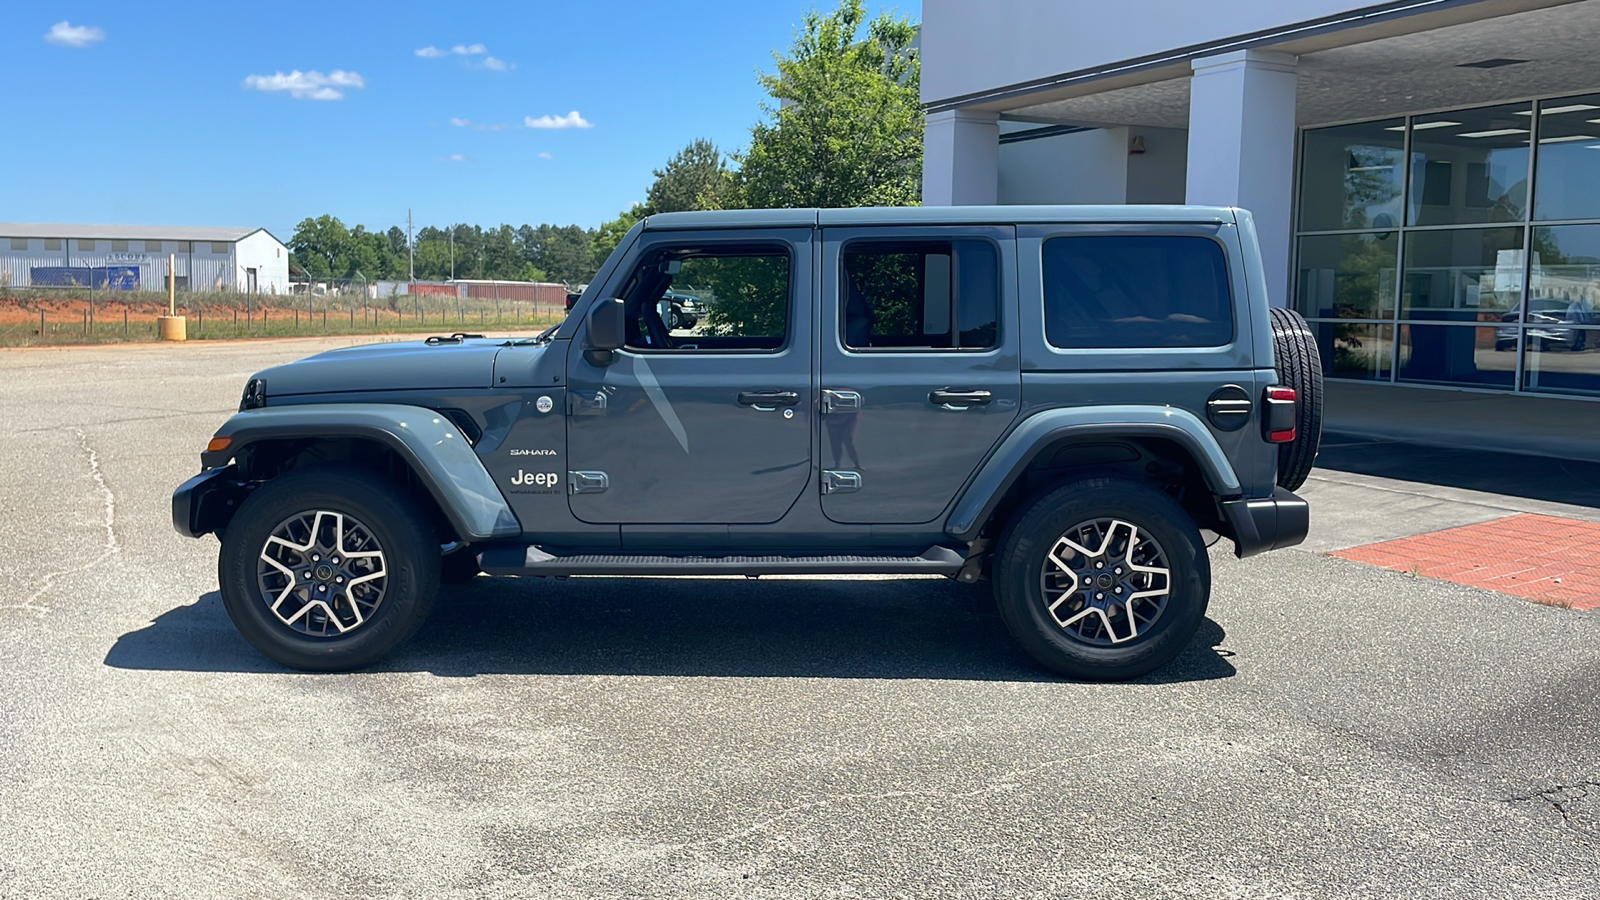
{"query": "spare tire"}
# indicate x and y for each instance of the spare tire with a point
(1299, 365)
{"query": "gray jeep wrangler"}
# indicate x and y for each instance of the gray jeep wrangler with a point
(1064, 401)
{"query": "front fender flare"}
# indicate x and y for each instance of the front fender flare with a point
(1025, 442)
(428, 442)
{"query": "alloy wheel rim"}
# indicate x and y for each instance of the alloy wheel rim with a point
(1106, 582)
(322, 573)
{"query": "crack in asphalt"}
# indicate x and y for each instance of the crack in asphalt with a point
(1002, 782)
(111, 547)
(1555, 796)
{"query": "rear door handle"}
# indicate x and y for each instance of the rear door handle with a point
(768, 399)
(954, 399)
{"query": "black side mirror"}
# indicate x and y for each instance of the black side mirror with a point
(607, 331)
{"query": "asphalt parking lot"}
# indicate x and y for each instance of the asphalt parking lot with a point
(1337, 731)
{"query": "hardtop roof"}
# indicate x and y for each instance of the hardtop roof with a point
(937, 215)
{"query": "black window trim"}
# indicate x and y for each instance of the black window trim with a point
(941, 237)
(683, 239)
(1227, 269)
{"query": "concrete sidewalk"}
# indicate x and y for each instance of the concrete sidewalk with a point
(1368, 490)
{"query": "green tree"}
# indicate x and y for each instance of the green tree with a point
(693, 179)
(846, 129)
(321, 246)
(611, 234)
(563, 253)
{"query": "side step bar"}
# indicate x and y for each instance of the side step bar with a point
(524, 559)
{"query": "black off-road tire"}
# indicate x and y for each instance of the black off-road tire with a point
(1300, 367)
(1019, 576)
(408, 542)
(459, 567)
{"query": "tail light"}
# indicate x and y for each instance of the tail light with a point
(1279, 421)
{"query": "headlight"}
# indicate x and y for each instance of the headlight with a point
(255, 395)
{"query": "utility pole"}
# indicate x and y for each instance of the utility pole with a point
(411, 252)
(452, 253)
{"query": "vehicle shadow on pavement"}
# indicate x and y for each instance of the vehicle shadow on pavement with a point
(1574, 482)
(832, 628)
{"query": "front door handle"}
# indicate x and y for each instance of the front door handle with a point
(768, 399)
(955, 399)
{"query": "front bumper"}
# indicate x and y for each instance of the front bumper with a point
(1270, 523)
(207, 502)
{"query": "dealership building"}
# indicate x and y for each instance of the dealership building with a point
(137, 257)
(1425, 175)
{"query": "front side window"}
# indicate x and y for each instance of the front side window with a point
(728, 297)
(1136, 291)
(919, 295)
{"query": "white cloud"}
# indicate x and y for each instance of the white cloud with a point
(454, 158)
(570, 120)
(546, 156)
(470, 52)
(69, 35)
(432, 52)
(458, 122)
(307, 85)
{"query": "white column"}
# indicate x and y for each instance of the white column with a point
(961, 158)
(1241, 147)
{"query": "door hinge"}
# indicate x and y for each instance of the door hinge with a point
(588, 482)
(840, 482)
(840, 401)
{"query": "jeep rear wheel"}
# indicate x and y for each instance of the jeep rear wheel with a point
(1102, 580)
(328, 568)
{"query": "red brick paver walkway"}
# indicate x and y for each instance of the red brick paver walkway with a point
(1543, 558)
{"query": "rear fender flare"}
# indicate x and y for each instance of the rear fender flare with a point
(430, 444)
(1043, 429)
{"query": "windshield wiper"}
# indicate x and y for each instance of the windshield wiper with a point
(544, 337)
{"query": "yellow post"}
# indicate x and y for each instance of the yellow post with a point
(172, 326)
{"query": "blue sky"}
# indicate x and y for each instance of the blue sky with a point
(263, 114)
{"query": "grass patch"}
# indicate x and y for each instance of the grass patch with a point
(49, 318)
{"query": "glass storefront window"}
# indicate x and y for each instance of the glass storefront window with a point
(1456, 354)
(1470, 166)
(1564, 285)
(1563, 360)
(1462, 275)
(1352, 176)
(1353, 350)
(1568, 159)
(1347, 276)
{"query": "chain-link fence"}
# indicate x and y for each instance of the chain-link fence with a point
(70, 315)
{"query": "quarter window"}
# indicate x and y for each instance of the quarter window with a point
(919, 295)
(1136, 291)
(722, 297)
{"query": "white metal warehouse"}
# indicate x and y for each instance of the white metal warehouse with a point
(135, 257)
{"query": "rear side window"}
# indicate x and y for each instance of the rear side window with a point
(1136, 291)
(919, 295)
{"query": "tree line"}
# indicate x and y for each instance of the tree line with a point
(842, 126)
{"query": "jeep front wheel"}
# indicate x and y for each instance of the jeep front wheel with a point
(1103, 580)
(328, 568)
